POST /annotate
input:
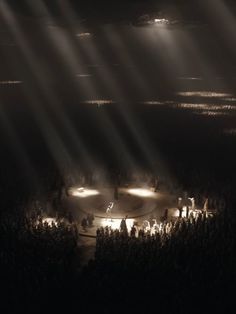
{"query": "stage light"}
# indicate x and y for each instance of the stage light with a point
(142, 192)
(114, 223)
(184, 212)
(50, 221)
(161, 21)
(83, 192)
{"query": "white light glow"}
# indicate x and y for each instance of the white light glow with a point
(195, 213)
(142, 192)
(184, 212)
(208, 107)
(115, 223)
(50, 221)
(99, 102)
(204, 94)
(84, 192)
(161, 21)
(230, 99)
(83, 35)
(157, 102)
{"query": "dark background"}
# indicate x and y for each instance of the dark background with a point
(46, 122)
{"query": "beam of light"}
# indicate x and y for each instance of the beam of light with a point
(121, 53)
(114, 223)
(170, 51)
(224, 20)
(70, 54)
(15, 142)
(70, 58)
(202, 62)
(140, 137)
(142, 192)
(83, 192)
(175, 49)
(53, 141)
(205, 94)
(56, 145)
(107, 79)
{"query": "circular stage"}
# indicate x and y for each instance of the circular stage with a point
(139, 205)
(136, 204)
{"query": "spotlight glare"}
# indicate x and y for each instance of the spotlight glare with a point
(114, 223)
(83, 192)
(50, 221)
(161, 21)
(142, 192)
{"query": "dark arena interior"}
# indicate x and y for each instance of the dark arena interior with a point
(118, 156)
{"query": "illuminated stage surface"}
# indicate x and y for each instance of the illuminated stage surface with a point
(135, 203)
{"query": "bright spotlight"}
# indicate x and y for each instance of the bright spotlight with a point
(142, 192)
(161, 21)
(83, 192)
(115, 223)
(50, 221)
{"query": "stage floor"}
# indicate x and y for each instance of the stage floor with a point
(135, 203)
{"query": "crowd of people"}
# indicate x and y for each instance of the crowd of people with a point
(139, 240)
(87, 222)
(183, 261)
(36, 254)
(188, 259)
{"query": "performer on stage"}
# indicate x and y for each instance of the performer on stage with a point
(109, 208)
